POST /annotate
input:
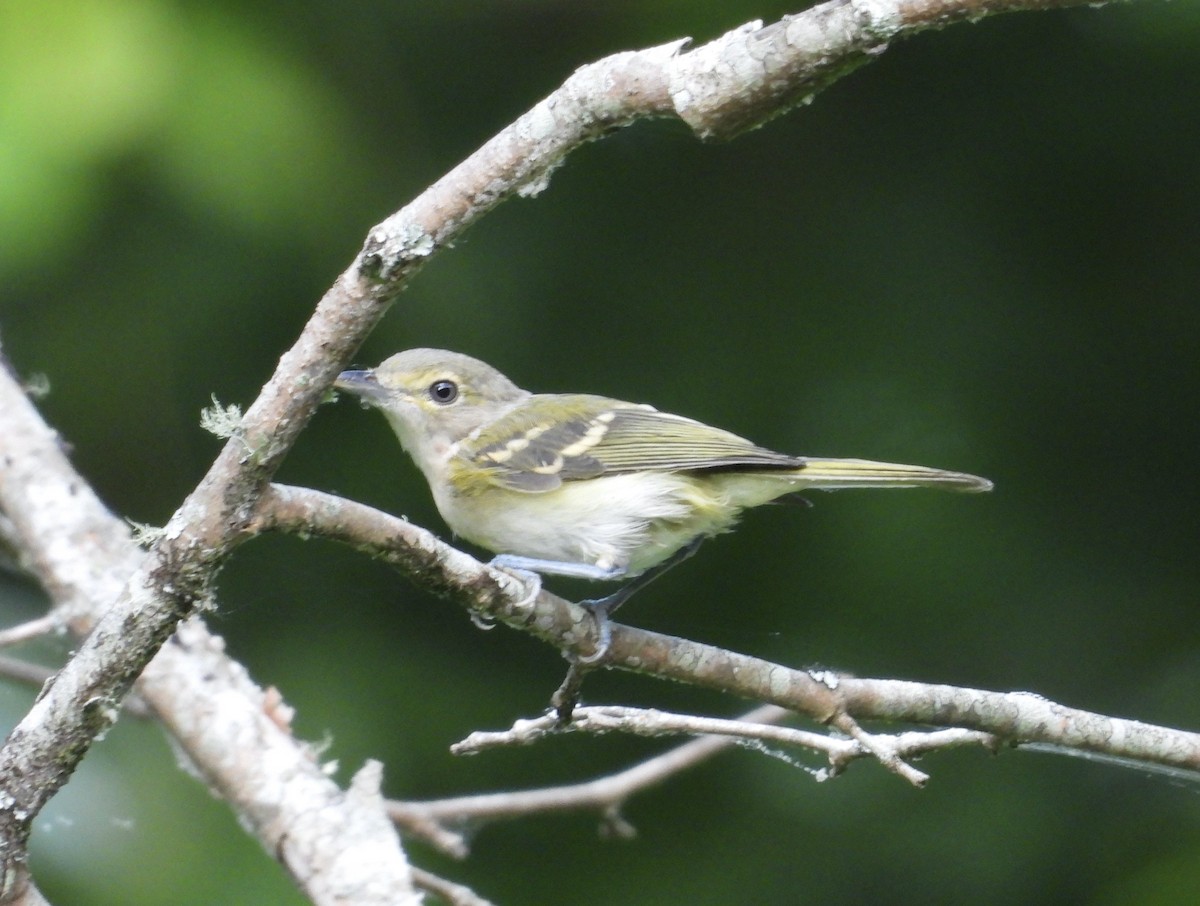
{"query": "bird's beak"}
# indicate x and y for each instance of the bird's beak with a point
(361, 383)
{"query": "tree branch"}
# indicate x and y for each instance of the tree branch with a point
(450, 892)
(1014, 717)
(90, 567)
(756, 73)
(434, 820)
(30, 629)
(226, 725)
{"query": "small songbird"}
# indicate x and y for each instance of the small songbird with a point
(586, 486)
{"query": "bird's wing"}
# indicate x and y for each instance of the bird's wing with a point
(537, 447)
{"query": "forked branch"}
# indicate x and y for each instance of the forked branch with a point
(132, 602)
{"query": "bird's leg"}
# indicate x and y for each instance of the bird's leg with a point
(556, 567)
(529, 568)
(602, 608)
(529, 571)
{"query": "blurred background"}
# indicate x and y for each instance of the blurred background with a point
(980, 253)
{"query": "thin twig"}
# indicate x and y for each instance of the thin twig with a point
(31, 629)
(434, 820)
(603, 719)
(604, 794)
(23, 671)
(883, 748)
(453, 893)
(889, 749)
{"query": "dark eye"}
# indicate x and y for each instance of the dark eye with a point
(443, 392)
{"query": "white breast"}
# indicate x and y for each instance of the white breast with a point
(628, 521)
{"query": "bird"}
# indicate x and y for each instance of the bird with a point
(579, 485)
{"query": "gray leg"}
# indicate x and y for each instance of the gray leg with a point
(558, 567)
(601, 608)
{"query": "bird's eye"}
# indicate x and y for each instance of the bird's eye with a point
(443, 392)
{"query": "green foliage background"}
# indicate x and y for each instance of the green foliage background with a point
(979, 252)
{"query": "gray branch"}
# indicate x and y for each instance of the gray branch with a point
(235, 735)
(132, 603)
(1015, 718)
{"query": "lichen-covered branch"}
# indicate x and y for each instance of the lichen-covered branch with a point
(235, 734)
(137, 601)
(1013, 717)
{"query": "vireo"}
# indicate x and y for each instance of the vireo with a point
(586, 486)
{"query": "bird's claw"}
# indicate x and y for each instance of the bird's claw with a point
(530, 580)
(599, 608)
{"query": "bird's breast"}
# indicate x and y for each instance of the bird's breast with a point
(631, 521)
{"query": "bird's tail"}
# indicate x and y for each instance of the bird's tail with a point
(863, 473)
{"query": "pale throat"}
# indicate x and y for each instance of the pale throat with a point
(431, 452)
